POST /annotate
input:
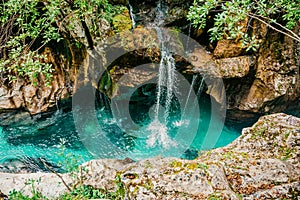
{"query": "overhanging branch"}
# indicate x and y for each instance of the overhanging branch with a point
(292, 35)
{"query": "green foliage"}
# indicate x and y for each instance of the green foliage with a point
(229, 15)
(85, 192)
(88, 192)
(27, 65)
(35, 194)
(81, 192)
(78, 191)
(120, 188)
(22, 23)
(70, 161)
(29, 25)
(215, 196)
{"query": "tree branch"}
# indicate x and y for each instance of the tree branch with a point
(272, 27)
(57, 174)
(87, 35)
(286, 29)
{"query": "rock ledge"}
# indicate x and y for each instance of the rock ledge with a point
(263, 163)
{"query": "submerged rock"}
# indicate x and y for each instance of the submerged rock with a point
(27, 165)
(263, 163)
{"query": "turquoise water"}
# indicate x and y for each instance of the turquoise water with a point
(42, 138)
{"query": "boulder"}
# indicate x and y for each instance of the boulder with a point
(228, 48)
(277, 84)
(236, 67)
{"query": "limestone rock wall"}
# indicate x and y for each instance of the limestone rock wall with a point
(273, 79)
(260, 82)
(22, 94)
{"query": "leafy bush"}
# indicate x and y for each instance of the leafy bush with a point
(281, 15)
(88, 192)
(78, 190)
(28, 25)
(35, 194)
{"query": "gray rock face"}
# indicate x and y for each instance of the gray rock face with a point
(146, 12)
(263, 163)
(22, 94)
(236, 67)
(48, 184)
(273, 84)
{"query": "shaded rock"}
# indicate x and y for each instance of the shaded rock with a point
(284, 191)
(228, 48)
(272, 84)
(236, 67)
(3, 196)
(202, 62)
(15, 117)
(133, 79)
(21, 94)
(175, 12)
(277, 77)
(118, 2)
(27, 165)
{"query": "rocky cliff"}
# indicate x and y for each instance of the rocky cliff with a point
(261, 82)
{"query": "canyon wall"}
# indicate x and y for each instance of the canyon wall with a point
(261, 82)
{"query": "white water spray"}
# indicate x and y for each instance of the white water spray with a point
(200, 87)
(132, 15)
(166, 77)
(195, 77)
(188, 39)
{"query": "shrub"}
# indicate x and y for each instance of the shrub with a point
(280, 15)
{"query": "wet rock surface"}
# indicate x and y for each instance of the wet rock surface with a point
(276, 79)
(146, 12)
(263, 163)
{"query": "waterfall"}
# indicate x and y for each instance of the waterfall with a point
(161, 10)
(200, 87)
(166, 77)
(195, 77)
(132, 15)
(188, 39)
(167, 68)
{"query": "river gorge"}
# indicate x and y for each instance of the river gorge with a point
(151, 100)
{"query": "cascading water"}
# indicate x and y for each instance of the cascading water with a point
(200, 87)
(166, 76)
(189, 35)
(132, 15)
(190, 91)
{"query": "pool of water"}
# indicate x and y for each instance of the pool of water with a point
(43, 137)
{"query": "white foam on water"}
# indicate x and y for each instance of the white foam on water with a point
(159, 135)
(181, 123)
